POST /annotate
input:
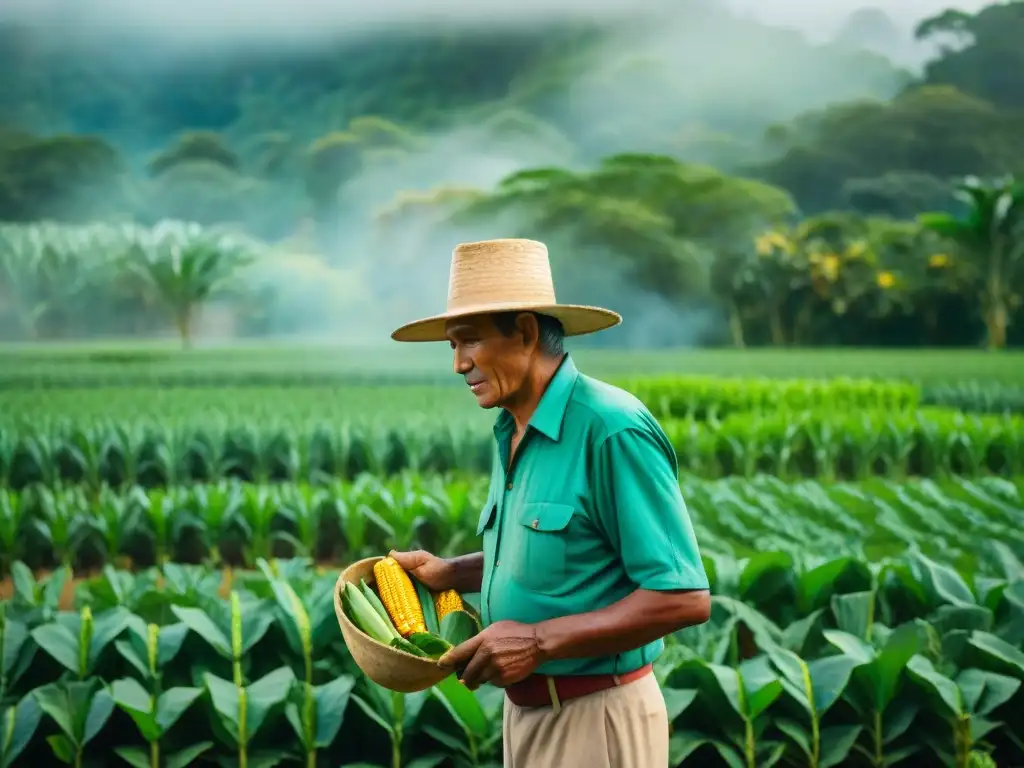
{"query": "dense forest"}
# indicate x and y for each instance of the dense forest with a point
(717, 179)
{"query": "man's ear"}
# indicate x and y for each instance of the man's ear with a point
(527, 325)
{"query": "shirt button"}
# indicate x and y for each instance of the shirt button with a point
(535, 523)
(508, 487)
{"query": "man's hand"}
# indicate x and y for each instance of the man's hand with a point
(503, 654)
(434, 572)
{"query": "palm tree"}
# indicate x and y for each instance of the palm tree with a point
(991, 238)
(184, 265)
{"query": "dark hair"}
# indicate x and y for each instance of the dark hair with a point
(550, 330)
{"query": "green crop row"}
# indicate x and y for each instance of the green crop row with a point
(117, 363)
(234, 524)
(714, 397)
(824, 444)
(667, 397)
(897, 662)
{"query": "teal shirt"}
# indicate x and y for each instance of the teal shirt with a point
(589, 512)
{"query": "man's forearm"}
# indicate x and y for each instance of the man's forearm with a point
(634, 621)
(467, 572)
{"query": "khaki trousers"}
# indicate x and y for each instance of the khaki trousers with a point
(622, 727)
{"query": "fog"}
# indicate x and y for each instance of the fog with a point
(663, 78)
(227, 20)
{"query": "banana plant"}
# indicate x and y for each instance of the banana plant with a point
(80, 708)
(155, 711)
(77, 640)
(183, 266)
(991, 239)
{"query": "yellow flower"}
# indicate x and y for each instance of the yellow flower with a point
(938, 260)
(769, 242)
(856, 249)
(830, 266)
(886, 280)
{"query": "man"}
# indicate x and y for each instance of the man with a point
(589, 558)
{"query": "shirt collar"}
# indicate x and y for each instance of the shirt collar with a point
(550, 413)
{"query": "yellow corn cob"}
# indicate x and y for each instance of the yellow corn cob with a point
(399, 597)
(447, 602)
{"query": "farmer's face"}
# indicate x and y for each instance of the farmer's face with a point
(494, 366)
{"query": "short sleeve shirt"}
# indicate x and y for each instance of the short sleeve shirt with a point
(589, 511)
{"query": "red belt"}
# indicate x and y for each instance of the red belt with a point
(534, 692)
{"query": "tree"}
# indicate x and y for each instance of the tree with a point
(184, 266)
(935, 131)
(63, 178)
(981, 53)
(991, 236)
(650, 210)
(193, 147)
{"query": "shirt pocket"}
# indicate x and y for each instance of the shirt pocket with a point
(540, 544)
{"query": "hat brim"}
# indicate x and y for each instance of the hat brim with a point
(576, 319)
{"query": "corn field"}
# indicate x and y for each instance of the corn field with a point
(847, 662)
(233, 524)
(171, 530)
(209, 447)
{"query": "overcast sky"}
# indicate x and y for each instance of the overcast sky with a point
(825, 17)
(273, 18)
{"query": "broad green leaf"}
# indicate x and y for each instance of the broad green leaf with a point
(136, 701)
(60, 643)
(188, 755)
(946, 689)
(945, 583)
(100, 708)
(677, 700)
(135, 756)
(62, 748)
(1005, 655)
(331, 703)
(266, 693)
(55, 702)
(17, 730)
(172, 704)
(200, 623)
(836, 743)
(224, 697)
(462, 705)
(855, 613)
(457, 627)
(983, 692)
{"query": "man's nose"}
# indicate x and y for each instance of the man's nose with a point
(463, 364)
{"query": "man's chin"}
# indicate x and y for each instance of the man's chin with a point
(484, 402)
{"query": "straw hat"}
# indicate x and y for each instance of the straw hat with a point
(394, 669)
(500, 276)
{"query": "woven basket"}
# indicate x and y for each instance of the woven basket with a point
(389, 667)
